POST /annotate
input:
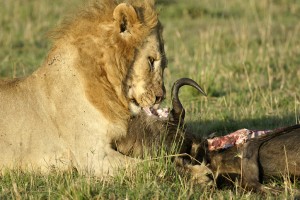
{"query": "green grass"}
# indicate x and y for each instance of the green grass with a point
(245, 54)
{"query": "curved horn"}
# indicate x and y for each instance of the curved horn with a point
(178, 110)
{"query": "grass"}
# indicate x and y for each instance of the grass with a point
(245, 54)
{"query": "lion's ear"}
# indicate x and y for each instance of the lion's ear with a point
(125, 17)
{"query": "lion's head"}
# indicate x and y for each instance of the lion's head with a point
(144, 83)
(120, 55)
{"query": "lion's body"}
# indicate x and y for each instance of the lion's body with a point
(68, 112)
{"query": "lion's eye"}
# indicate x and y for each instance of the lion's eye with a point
(151, 63)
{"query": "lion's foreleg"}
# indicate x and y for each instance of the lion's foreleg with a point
(108, 164)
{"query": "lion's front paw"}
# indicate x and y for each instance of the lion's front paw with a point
(147, 99)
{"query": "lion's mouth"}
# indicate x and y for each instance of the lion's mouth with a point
(156, 111)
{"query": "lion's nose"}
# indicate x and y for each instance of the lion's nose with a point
(158, 99)
(161, 95)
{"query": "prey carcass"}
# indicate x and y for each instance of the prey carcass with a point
(272, 154)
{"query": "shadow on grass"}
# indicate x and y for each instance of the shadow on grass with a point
(222, 127)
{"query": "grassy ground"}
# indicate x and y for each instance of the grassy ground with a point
(246, 54)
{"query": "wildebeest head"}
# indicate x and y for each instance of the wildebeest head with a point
(148, 130)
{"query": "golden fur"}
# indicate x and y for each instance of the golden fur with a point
(106, 63)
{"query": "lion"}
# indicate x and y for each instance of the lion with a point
(106, 65)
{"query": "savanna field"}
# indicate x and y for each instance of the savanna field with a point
(245, 54)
